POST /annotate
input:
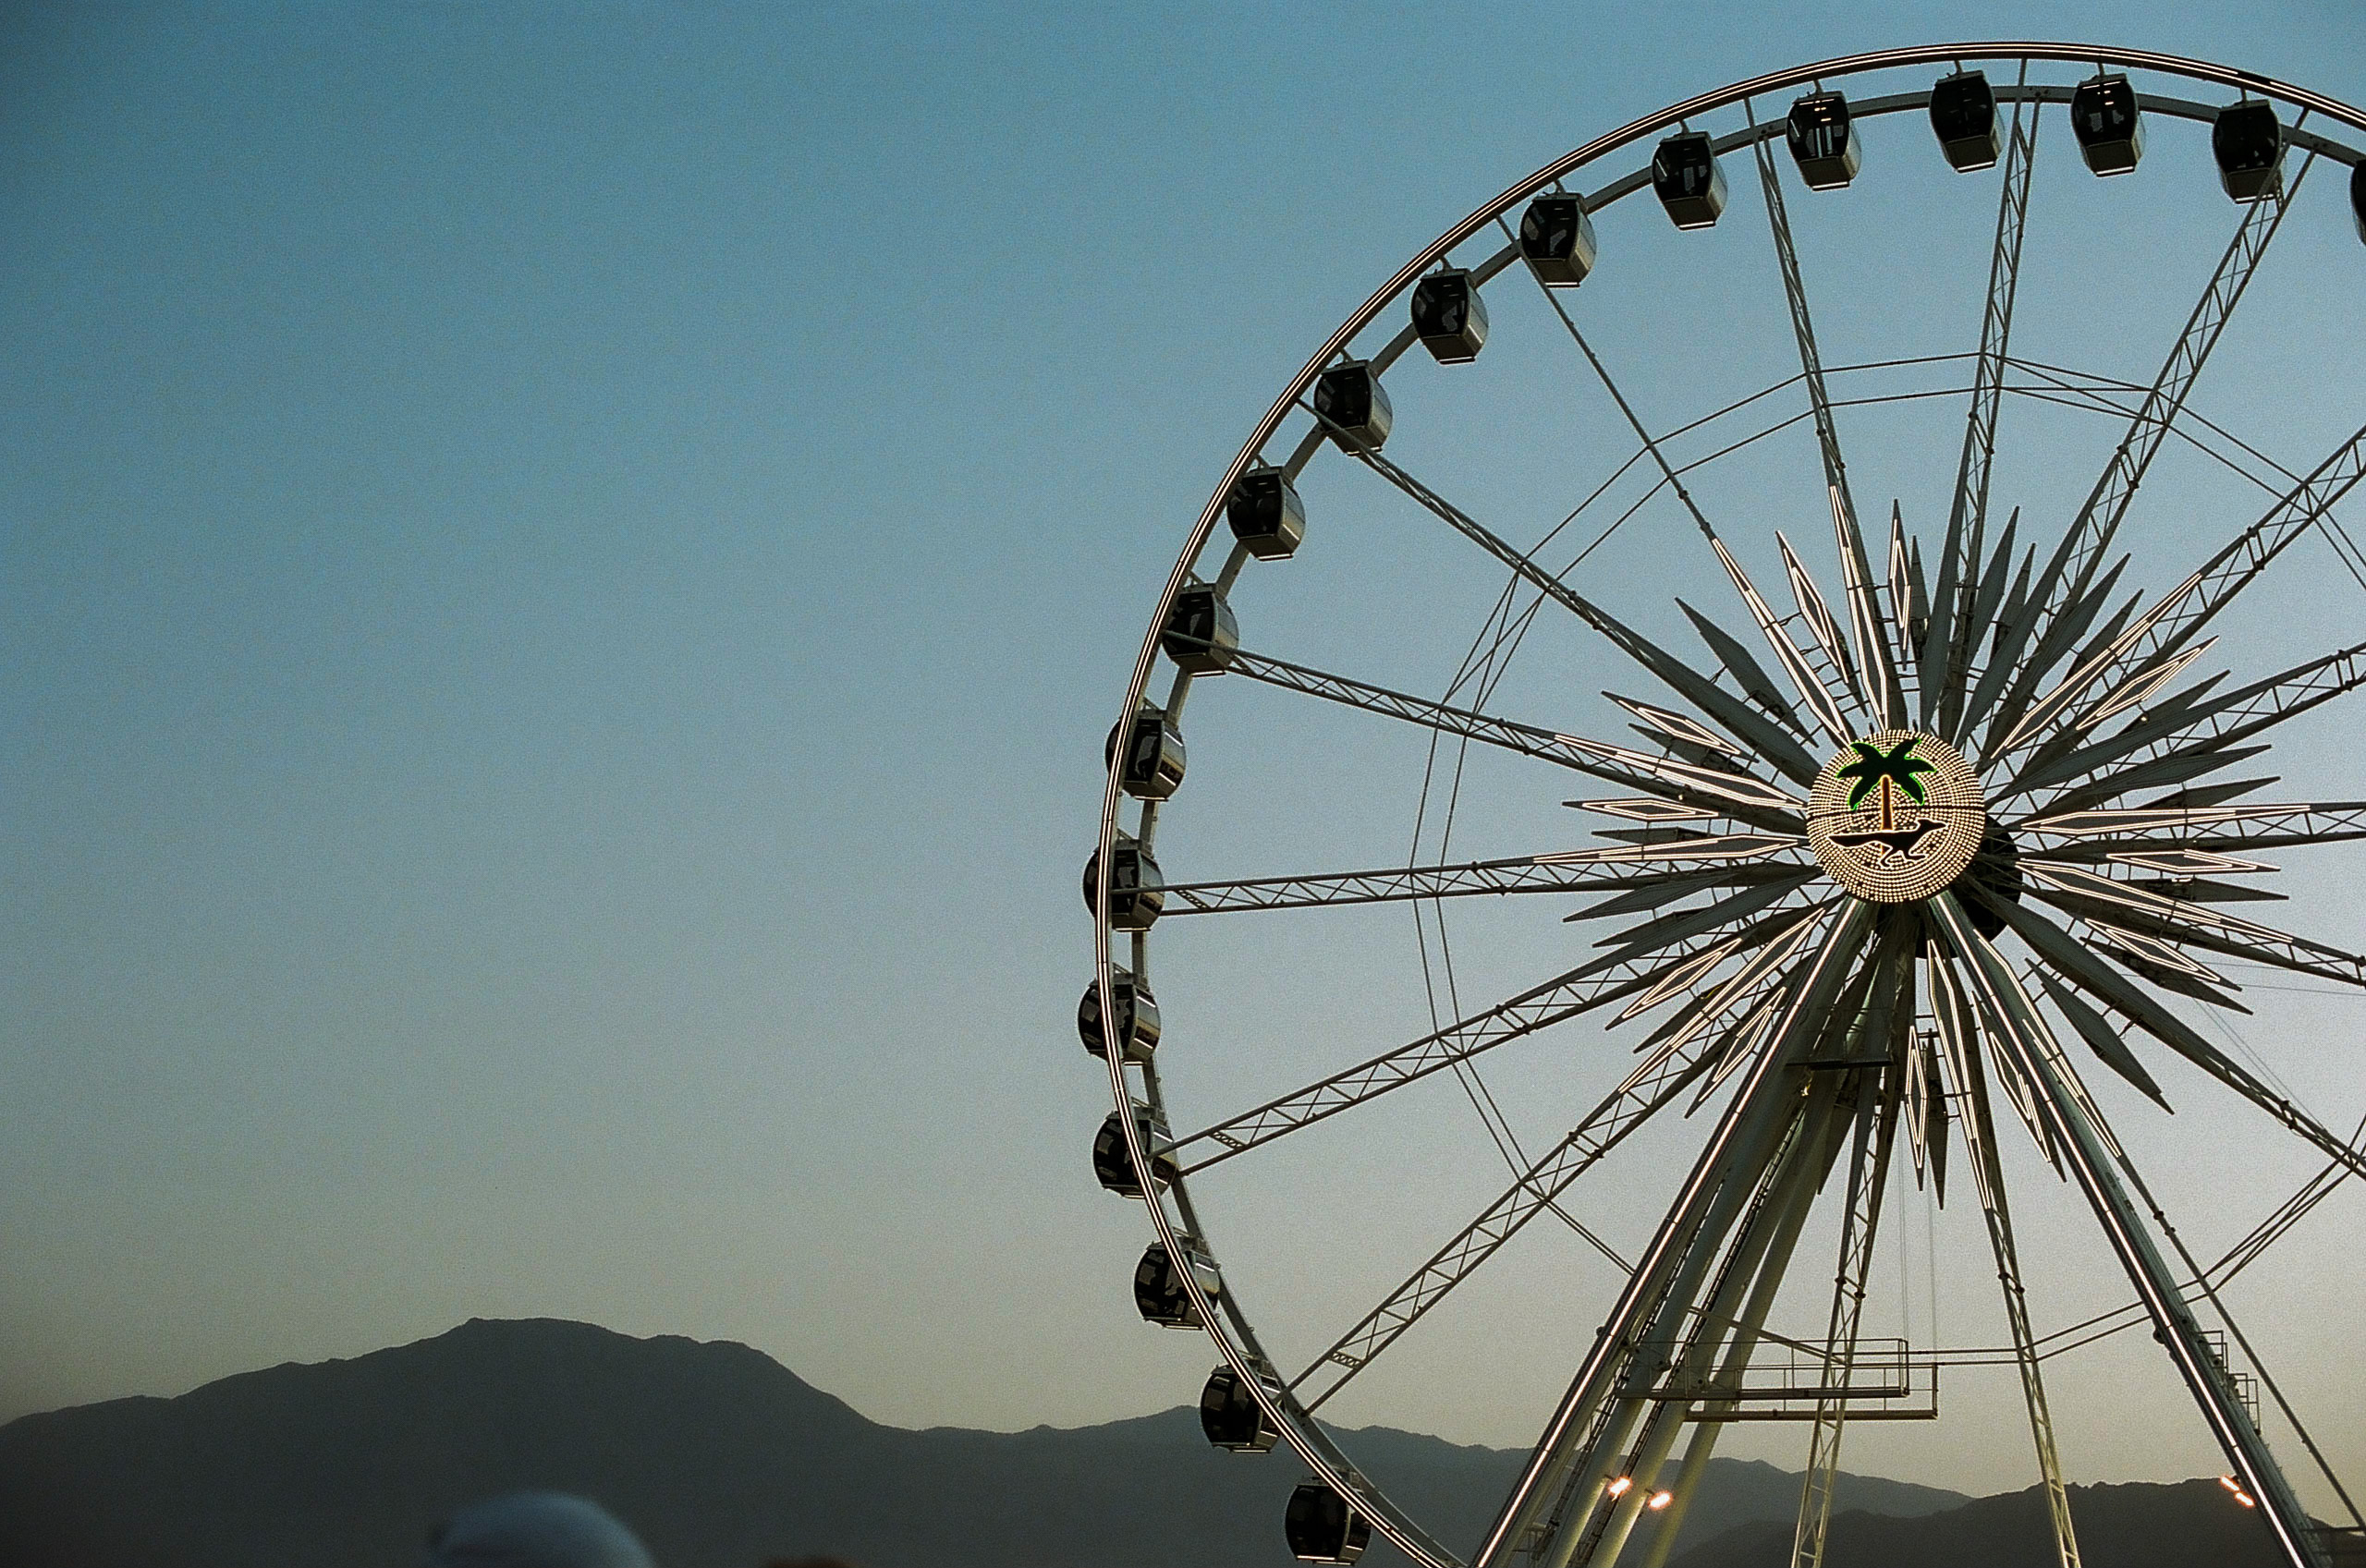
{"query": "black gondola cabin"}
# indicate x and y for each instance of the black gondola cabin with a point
(1200, 634)
(2247, 143)
(1159, 1295)
(1321, 1528)
(1231, 1416)
(1557, 238)
(2110, 127)
(1449, 317)
(1686, 178)
(1137, 1017)
(1353, 407)
(1147, 753)
(1135, 886)
(1964, 119)
(1114, 1170)
(1266, 515)
(1824, 141)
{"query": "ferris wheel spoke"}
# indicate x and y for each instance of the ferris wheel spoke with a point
(2160, 632)
(2135, 830)
(1727, 786)
(1738, 717)
(1567, 995)
(2083, 545)
(1514, 874)
(1873, 678)
(1661, 1078)
(1810, 688)
(1944, 655)
(2058, 950)
(2183, 921)
(2224, 721)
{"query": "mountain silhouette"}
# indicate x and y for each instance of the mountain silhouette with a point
(2139, 1525)
(718, 1455)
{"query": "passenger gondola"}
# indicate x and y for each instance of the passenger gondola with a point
(1824, 141)
(1147, 753)
(1557, 238)
(1231, 1416)
(1353, 405)
(1136, 1012)
(1159, 1295)
(2358, 198)
(1449, 317)
(1963, 117)
(1321, 1528)
(1200, 634)
(1266, 515)
(1686, 178)
(2109, 125)
(2247, 143)
(1135, 893)
(1115, 1169)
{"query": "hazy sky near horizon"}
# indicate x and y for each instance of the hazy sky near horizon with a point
(562, 572)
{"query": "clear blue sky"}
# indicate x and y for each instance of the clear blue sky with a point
(563, 570)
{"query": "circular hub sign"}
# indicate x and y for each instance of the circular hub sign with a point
(1896, 817)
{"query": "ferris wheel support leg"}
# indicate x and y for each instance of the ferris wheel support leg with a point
(1980, 1134)
(1586, 1512)
(1747, 1332)
(1757, 1258)
(1832, 1099)
(1763, 1103)
(1868, 1179)
(2023, 1036)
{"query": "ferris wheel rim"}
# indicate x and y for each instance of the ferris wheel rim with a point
(1233, 1335)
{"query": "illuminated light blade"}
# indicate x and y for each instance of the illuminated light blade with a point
(1918, 1106)
(1716, 846)
(1645, 811)
(1743, 981)
(2187, 862)
(1904, 602)
(1740, 1046)
(2179, 920)
(2017, 1092)
(1738, 788)
(2152, 949)
(2137, 691)
(1747, 673)
(1814, 612)
(1880, 682)
(1677, 726)
(1679, 978)
(2168, 910)
(1952, 1010)
(1811, 690)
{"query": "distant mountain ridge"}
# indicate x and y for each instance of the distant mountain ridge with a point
(718, 1455)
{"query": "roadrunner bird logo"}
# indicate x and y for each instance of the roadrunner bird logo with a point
(1890, 774)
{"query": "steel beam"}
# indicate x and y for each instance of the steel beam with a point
(2070, 1118)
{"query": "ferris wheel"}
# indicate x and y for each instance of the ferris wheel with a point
(1901, 826)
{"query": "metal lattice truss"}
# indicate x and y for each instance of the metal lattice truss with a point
(2097, 914)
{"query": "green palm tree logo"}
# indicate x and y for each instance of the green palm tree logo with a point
(1892, 772)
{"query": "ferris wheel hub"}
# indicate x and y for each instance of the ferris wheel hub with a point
(1896, 816)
